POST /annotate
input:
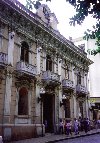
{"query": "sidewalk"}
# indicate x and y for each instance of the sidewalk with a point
(51, 138)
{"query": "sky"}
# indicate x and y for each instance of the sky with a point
(63, 12)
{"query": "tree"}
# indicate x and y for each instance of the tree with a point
(83, 9)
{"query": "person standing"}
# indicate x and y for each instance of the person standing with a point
(68, 128)
(85, 125)
(76, 126)
(61, 124)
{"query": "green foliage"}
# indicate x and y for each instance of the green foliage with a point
(83, 9)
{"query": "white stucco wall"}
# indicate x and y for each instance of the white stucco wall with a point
(94, 69)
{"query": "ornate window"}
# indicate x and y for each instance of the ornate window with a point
(24, 52)
(49, 63)
(23, 102)
(67, 109)
(79, 78)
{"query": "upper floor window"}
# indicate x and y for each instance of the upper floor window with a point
(23, 102)
(79, 78)
(24, 52)
(49, 63)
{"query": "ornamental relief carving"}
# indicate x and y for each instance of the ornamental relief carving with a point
(21, 83)
(21, 24)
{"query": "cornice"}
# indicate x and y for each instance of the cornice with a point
(36, 30)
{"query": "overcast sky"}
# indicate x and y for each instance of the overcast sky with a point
(63, 12)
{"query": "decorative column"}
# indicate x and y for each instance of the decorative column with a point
(44, 61)
(59, 67)
(74, 93)
(37, 114)
(75, 105)
(7, 102)
(11, 48)
(8, 86)
(55, 64)
(87, 107)
(38, 59)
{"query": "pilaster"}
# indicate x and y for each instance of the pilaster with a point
(38, 59)
(7, 101)
(59, 67)
(74, 105)
(11, 48)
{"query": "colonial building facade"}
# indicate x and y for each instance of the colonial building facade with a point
(43, 76)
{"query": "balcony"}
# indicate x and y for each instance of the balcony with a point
(26, 68)
(81, 89)
(68, 84)
(3, 59)
(50, 77)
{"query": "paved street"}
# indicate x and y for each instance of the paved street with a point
(93, 136)
(87, 139)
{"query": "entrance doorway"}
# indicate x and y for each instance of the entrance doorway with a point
(48, 112)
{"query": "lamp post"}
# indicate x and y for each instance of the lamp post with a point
(40, 99)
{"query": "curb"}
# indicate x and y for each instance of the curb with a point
(78, 136)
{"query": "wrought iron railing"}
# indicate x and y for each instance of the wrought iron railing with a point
(26, 68)
(81, 89)
(66, 83)
(3, 58)
(49, 75)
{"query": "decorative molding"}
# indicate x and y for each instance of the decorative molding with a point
(43, 34)
(21, 83)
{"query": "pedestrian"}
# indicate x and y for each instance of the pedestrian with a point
(98, 123)
(46, 125)
(68, 128)
(88, 124)
(76, 126)
(61, 126)
(85, 125)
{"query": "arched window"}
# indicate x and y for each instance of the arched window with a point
(23, 102)
(24, 52)
(79, 78)
(49, 63)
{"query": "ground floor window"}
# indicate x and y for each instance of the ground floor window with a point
(23, 102)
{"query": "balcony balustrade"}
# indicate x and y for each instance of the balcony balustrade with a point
(26, 68)
(81, 89)
(68, 84)
(50, 77)
(3, 59)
